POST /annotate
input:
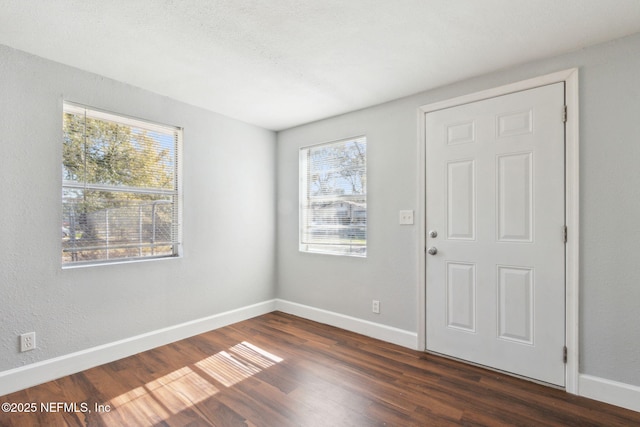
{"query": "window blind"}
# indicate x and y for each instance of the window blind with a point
(120, 187)
(333, 197)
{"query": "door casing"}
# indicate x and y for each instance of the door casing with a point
(570, 78)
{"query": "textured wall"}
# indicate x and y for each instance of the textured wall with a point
(228, 223)
(347, 285)
(609, 205)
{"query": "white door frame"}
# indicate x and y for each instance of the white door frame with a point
(570, 78)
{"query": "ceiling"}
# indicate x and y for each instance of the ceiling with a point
(281, 63)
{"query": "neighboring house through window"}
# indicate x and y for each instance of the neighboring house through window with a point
(333, 197)
(120, 188)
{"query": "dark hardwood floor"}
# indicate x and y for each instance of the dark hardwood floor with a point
(281, 370)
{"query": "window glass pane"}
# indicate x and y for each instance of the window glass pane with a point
(103, 225)
(119, 195)
(104, 152)
(333, 198)
(338, 170)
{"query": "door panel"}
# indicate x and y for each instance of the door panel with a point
(515, 304)
(515, 197)
(461, 296)
(495, 195)
(461, 192)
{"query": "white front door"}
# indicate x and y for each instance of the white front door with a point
(495, 218)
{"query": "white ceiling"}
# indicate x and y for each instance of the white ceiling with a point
(281, 63)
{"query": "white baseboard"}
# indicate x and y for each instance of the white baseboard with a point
(51, 369)
(612, 392)
(375, 330)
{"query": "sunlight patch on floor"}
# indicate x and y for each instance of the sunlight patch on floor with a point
(158, 399)
(240, 362)
(181, 389)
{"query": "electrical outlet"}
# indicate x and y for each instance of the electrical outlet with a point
(27, 341)
(375, 307)
(406, 217)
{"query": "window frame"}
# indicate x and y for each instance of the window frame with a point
(83, 185)
(306, 242)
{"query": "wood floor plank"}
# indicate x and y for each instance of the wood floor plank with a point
(281, 370)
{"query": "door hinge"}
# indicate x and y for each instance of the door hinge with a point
(564, 114)
(565, 233)
(564, 354)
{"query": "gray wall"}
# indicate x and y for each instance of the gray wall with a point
(609, 205)
(229, 219)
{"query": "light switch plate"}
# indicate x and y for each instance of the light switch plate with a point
(406, 217)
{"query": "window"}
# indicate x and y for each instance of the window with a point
(120, 192)
(333, 198)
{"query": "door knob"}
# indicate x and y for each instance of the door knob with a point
(432, 250)
(433, 234)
